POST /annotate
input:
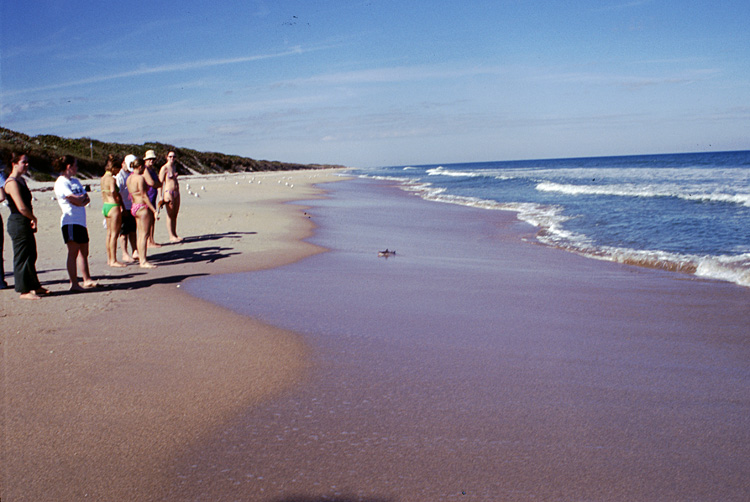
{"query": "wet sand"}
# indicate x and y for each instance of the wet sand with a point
(477, 365)
(102, 390)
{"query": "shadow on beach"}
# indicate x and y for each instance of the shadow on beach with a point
(174, 254)
(123, 283)
(304, 498)
(212, 237)
(209, 254)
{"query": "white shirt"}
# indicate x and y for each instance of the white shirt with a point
(122, 184)
(72, 215)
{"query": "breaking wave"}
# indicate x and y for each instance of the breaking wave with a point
(549, 219)
(633, 190)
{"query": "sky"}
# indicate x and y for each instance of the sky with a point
(382, 82)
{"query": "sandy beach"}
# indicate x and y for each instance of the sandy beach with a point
(474, 365)
(101, 389)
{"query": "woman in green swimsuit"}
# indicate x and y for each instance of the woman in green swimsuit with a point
(112, 209)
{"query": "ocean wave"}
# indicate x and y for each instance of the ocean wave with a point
(385, 178)
(632, 190)
(549, 220)
(441, 171)
(734, 269)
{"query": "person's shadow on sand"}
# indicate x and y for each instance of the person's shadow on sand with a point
(304, 498)
(181, 256)
(213, 237)
(170, 256)
(122, 282)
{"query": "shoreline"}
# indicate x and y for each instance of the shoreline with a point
(100, 389)
(480, 366)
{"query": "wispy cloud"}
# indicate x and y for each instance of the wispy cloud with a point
(622, 5)
(394, 74)
(191, 65)
(632, 81)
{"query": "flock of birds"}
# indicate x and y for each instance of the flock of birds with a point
(195, 192)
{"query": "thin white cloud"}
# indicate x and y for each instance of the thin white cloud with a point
(393, 74)
(622, 5)
(632, 81)
(192, 65)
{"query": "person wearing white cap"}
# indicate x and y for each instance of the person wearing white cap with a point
(128, 228)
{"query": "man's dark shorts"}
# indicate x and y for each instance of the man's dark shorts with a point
(75, 233)
(128, 223)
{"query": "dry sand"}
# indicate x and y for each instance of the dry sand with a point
(101, 389)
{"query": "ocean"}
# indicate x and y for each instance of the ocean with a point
(688, 212)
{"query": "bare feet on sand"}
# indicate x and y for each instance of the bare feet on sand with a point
(84, 286)
(117, 264)
(146, 264)
(31, 295)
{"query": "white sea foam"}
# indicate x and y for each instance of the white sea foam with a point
(634, 190)
(728, 268)
(441, 171)
(549, 219)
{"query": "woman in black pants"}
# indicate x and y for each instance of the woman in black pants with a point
(21, 228)
(3, 284)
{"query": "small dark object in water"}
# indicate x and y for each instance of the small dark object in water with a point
(386, 253)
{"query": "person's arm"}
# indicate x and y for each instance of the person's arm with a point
(78, 200)
(143, 189)
(64, 190)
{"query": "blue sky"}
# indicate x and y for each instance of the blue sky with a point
(381, 82)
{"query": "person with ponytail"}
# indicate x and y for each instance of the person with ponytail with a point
(112, 208)
(142, 209)
(72, 198)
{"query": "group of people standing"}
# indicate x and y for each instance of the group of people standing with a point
(131, 193)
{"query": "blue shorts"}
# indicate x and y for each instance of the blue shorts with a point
(75, 233)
